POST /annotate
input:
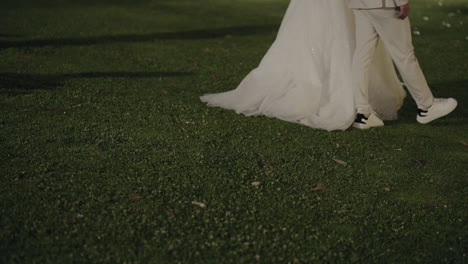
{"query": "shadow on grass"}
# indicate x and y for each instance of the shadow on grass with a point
(17, 83)
(460, 9)
(193, 34)
(462, 84)
(3, 35)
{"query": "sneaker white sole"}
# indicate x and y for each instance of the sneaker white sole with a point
(364, 126)
(425, 120)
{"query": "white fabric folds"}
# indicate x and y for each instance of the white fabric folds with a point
(305, 77)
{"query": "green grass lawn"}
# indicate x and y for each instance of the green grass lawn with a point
(105, 145)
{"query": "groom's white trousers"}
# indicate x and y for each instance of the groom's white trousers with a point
(383, 24)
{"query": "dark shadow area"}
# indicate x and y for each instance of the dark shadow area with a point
(462, 84)
(193, 34)
(16, 81)
(457, 9)
(2, 35)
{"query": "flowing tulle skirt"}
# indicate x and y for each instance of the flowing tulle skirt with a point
(305, 77)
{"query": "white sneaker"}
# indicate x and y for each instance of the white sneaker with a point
(363, 122)
(441, 107)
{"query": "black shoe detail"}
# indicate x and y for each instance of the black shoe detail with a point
(422, 112)
(360, 119)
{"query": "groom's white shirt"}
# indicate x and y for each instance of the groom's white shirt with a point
(371, 4)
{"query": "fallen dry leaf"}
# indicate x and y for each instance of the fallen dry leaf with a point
(463, 143)
(266, 164)
(98, 92)
(344, 163)
(170, 213)
(431, 206)
(420, 162)
(76, 106)
(256, 183)
(56, 110)
(297, 261)
(318, 187)
(202, 205)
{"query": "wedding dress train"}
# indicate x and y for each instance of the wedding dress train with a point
(305, 77)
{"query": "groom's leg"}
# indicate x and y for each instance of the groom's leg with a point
(396, 34)
(366, 43)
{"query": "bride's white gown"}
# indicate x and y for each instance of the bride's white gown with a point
(305, 77)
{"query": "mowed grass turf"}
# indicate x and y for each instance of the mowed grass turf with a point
(108, 156)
